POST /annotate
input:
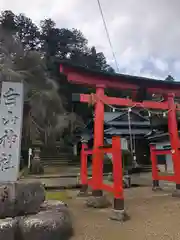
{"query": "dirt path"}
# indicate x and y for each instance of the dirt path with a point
(154, 216)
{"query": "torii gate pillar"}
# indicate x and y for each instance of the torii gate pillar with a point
(97, 161)
(174, 140)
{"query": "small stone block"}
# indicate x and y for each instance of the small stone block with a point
(119, 215)
(157, 189)
(98, 202)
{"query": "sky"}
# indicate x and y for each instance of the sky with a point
(145, 34)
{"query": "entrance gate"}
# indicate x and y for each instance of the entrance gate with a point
(102, 81)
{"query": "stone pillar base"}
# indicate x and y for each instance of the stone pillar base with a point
(97, 200)
(83, 191)
(119, 215)
(156, 186)
(176, 193)
(118, 212)
(156, 189)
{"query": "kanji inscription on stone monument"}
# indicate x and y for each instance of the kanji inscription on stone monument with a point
(10, 130)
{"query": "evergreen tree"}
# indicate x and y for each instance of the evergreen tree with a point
(169, 78)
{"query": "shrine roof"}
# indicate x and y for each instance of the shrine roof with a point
(123, 116)
(116, 119)
(119, 132)
(66, 67)
(159, 137)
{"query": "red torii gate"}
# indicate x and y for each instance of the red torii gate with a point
(101, 81)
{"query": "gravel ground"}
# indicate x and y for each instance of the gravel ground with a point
(153, 216)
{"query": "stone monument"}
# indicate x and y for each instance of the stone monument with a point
(24, 213)
(10, 130)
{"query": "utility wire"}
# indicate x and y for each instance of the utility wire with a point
(108, 36)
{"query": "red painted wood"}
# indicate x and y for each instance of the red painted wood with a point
(117, 167)
(91, 81)
(97, 158)
(168, 178)
(120, 81)
(126, 102)
(162, 152)
(173, 135)
(125, 82)
(89, 152)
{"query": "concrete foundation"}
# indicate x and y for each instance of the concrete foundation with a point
(119, 215)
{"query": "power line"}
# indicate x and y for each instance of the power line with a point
(108, 36)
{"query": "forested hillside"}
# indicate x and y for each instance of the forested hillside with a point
(32, 53)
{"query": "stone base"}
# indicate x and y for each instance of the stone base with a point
(98, 202)
(50, 225)
(19, 198)
(176, 193)
(83, 191)
(119, 215)
(155, 186)
(157, 189)
(8, 229)
(54, 222)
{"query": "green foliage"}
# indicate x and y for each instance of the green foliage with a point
(32, 54)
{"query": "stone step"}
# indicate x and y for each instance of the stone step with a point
(57, 158)
(55, 152)
(56, 155)
(58, 164)
(57, 161)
